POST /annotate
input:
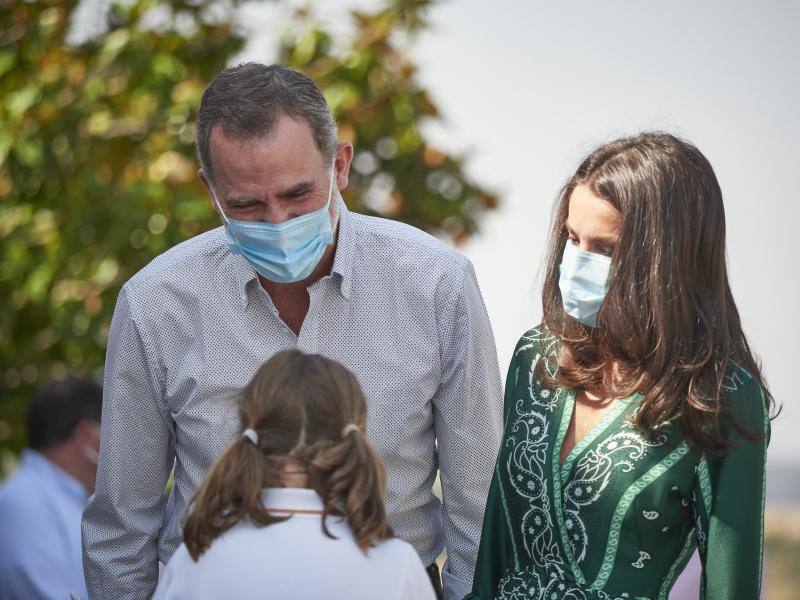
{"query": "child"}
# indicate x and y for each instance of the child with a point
(294, 507)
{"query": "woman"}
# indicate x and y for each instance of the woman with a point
(294, 507)
(635, 415)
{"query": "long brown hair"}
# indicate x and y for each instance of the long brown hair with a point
(299, 405)
(668, 323)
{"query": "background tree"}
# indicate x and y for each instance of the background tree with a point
(97, 164)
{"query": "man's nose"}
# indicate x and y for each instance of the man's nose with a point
(274, 213)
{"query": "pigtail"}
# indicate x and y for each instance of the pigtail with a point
(230, 492)
(350, 478)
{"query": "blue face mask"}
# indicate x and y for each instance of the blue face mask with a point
(283, 252)
(583, 278)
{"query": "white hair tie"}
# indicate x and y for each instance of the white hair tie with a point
(250, 434)
(348, 428)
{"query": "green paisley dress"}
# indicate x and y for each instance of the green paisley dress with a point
(623, 514)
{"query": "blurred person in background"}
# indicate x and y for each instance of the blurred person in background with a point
(294, 507)
(42, 502)
(637, 418)
(292, 268)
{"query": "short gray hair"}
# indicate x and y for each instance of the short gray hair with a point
(247, 100)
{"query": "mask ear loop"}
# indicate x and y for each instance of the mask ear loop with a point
(330, 186)
(219, 207)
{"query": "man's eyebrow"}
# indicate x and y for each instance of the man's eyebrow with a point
(297, 189)
(237, 201)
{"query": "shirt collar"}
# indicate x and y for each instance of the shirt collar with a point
(246, 276)
(345, 243)
(36, 461)
(291, 499)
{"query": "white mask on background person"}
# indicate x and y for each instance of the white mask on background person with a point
(89, 451)
(91, 454)
(583, 281)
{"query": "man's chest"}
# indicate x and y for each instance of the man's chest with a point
(397, 364)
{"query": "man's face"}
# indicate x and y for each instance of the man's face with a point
(274, 178)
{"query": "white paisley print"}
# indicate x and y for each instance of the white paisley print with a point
(529, 585)
(527, 462)
(593, 473)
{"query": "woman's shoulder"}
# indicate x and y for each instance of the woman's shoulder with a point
(535, 342)
(746, 399)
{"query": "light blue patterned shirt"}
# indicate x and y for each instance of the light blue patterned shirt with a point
(40, 532)
(400, 309)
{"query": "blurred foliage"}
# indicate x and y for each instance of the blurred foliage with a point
(97, 166)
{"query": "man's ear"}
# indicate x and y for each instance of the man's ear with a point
(344, 157)
(204, 179)
(207, 184)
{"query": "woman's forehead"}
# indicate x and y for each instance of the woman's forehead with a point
(589, 212)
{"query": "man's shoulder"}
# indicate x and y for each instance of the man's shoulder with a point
(21, 497)
(405, 243)
(182, 262)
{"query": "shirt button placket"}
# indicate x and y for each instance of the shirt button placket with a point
(308, 340)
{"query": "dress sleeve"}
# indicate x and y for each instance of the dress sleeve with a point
(729, 501)
(122, 520)
(495, 554)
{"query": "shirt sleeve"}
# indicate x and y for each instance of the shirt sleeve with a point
(729, 501)
(122, 520)
(467, 413)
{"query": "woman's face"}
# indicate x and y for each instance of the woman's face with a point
(592, 223)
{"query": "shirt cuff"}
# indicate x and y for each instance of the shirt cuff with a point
(453, 587)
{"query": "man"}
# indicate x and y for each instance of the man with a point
(293, 268)
(42, 502)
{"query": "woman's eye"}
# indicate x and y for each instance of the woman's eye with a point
(574, 241)
(606, 251)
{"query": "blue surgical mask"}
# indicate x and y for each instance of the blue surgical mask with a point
(583, 281)
(283, 252)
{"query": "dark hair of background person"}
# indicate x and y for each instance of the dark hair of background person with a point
(669, 321)
(248, 99)
(298, 404)
(58, 406)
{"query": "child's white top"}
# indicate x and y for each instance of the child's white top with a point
(295, 560)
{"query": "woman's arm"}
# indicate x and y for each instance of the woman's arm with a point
(729, 502)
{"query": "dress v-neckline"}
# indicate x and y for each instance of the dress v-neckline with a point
(560, 473)
(595, 432)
